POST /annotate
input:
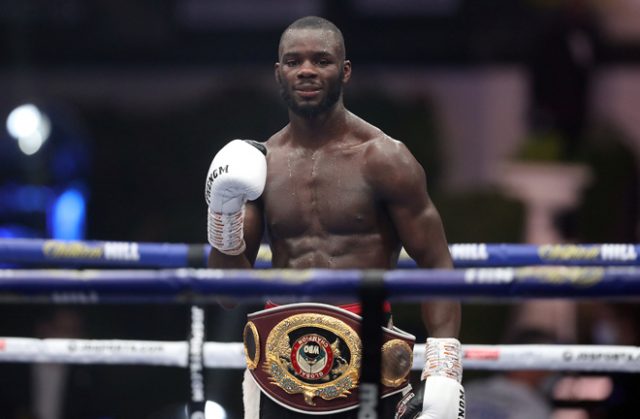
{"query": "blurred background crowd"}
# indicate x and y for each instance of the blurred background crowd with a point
(524, 113)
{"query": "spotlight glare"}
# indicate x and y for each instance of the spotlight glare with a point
(29, 127)
(23, 121)
(213, 410)
(30, 145)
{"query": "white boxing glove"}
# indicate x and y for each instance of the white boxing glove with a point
(237, 174)
(443, 391)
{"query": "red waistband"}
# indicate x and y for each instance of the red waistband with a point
(355, 308)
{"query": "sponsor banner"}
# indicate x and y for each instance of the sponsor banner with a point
(589, 356)
(231, 355)
(101, 253)
(596, 253)
(562, 275)
(545, 357)
(469, 251)
(489, 276)
(484, 354)
(166, 255)
(81, 351)
(184, 285)
(494, 255)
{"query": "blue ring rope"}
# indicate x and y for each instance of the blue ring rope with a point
(189, 285)
(169, 255)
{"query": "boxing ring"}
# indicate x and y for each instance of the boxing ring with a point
(127, 272)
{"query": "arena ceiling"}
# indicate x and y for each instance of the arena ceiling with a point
(44, 33)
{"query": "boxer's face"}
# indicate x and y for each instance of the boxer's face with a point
(311, 71)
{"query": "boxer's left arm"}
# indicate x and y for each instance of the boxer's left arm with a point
(400, 183)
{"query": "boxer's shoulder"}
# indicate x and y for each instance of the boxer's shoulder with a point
(374, 142)
(278, 139)
(383, 153)
(390, 168)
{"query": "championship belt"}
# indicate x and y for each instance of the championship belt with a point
(306, 357)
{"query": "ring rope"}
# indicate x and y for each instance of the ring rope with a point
(169, 255)
(231, 354)
(187, 285)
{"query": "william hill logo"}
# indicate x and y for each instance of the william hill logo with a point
(71, 250)
(622, 252)
(610, 252)
(77, 250)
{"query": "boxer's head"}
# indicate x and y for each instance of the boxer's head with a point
(311, 67)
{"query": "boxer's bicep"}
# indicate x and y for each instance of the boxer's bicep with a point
(401, 186)
(419, 225)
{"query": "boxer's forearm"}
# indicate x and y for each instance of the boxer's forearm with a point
(441, 318)
(219, 260)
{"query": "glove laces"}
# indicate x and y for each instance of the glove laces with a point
(225, 232)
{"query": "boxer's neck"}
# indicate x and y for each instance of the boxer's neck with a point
(320, 129)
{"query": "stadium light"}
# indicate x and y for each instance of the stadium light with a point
(29, 126)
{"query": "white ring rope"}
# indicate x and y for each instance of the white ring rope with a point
(594, 358)
(85, 351)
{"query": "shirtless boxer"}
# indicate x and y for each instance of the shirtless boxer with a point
(333, 191)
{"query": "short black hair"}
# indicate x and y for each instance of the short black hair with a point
(316, 22)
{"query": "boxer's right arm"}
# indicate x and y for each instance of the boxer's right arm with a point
(234, 226)
(253, 230)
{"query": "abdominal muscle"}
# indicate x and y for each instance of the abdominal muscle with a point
(334, 252)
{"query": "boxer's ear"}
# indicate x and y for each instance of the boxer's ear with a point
(276, 70)
(346, 70)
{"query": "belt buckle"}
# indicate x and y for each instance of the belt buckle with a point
(313, 354)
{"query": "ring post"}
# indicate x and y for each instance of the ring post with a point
(372, 296)
(196, 362)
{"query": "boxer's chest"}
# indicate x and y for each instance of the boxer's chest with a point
(318, 193)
